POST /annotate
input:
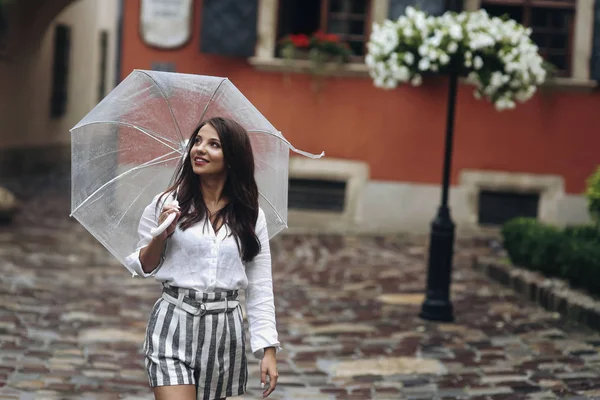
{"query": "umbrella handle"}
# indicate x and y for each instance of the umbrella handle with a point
(166, 223)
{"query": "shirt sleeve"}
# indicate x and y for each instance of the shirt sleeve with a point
(260, 305)
(147, 222)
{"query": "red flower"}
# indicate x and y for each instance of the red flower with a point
(332, 37)
(300, 40)
(326, 37)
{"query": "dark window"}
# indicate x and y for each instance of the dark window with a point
(349, 19)
(551, 22)
(228, 27)
(60, 71)
(3, 31)
(103, 64)
(497, 207)
(316, 194)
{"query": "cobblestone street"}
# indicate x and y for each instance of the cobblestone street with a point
(72, 322)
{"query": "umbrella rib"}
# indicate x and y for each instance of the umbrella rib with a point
(144, 131)
(164, 95)
(273, 207)
(291, 146)
(150, 163)
(212, 96)
(134, 200)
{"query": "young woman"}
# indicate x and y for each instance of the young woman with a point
(217, 245)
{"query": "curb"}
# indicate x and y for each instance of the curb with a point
(550, 293)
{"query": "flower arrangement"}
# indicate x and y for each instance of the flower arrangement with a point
(319, 48)
(496, 55)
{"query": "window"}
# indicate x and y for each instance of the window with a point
(498, 207)
(552, 24)
(316, 194)
(349, 19)
(60, 70)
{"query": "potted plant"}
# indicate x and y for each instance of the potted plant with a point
(320, 49)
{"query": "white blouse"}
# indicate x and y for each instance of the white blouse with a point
(199, 259)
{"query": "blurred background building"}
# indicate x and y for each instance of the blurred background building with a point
(383, 149)
(58, 61)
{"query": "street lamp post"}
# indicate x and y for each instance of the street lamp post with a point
(437, 305)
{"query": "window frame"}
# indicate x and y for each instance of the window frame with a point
(324, 24)
(264, 58)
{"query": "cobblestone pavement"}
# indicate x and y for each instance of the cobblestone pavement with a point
(72, 323)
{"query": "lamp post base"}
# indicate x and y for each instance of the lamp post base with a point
(437, 305)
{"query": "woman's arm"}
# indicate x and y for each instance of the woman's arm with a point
(152, 255)
(150, 250)
(260, 304)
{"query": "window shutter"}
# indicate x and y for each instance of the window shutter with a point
(229, 27)
(595, 61)
(433, 7)
(3, 31)
(60, 70)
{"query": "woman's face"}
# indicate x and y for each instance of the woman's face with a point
(206, 154)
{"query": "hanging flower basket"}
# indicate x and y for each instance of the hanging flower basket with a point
(320, 49)
(495, 55)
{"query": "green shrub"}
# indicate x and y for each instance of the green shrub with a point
(579, 262)
(592, 194)
(533, 244)
(583, 232)
(572, 253)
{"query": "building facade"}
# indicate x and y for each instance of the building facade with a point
(58, 61)
(384, 149)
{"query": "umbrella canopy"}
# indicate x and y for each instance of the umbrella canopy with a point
(126, 150)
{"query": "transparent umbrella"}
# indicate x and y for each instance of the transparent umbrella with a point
(125, 151)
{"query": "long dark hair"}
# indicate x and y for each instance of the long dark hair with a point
(241, 212)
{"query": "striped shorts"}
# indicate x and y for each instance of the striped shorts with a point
(192, 339)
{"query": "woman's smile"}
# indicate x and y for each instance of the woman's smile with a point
(206, 154)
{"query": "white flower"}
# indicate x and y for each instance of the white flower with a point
(455, 32)
(444, 59)
(401, 73)
(515, 65)
(424, 64)
(370, 60)
(416, 80)
(473, 78)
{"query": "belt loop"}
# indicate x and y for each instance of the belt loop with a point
(226, 305)
(180, 296)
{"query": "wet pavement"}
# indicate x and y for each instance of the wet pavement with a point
(72, 322)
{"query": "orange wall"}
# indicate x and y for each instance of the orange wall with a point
(399, 133)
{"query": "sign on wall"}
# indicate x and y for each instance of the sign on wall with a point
(166, 23)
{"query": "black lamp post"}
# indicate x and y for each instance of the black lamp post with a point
(437, 305)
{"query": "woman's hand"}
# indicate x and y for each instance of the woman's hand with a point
(268, 366)
(169, 209)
